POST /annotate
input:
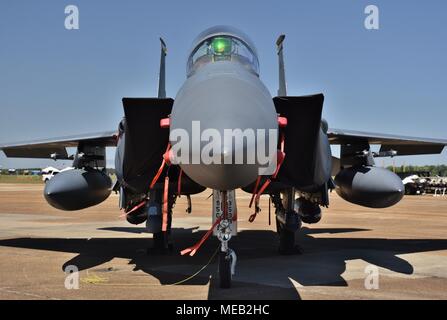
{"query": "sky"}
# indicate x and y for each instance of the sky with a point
(56, 82)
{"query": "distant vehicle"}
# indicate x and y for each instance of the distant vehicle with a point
(12, 171)
(414, 184)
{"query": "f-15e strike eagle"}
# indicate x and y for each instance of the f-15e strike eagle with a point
(166, 148)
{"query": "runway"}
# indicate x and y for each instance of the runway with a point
(407, 243)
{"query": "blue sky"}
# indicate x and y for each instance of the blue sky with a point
(57, 82)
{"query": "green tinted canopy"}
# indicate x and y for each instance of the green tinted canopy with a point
(221, 46)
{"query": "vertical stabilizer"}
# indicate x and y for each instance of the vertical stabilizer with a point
(162, 75)
(282, 90)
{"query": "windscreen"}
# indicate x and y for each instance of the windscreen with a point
(222, 48)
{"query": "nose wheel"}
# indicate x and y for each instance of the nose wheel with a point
(227, 264)
(227, 256)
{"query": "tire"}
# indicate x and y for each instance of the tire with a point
(162, 240)
(159, 240)
(286, 239)
(224, 270)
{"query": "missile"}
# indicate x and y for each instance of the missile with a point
(77, 189)
(369, 186)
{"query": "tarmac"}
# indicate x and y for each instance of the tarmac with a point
(353, 253)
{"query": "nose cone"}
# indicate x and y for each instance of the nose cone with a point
(219, 105)
(222, 177)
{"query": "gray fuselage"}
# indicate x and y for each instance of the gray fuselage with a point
(221, 96)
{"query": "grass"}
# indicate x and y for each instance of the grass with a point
(20, 179)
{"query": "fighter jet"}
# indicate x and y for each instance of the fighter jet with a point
(276, 146)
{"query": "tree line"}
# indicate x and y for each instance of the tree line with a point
(434, 170)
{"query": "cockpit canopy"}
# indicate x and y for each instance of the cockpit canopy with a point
(222, 44)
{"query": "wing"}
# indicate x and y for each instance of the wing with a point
(48, 148)
(402, 145)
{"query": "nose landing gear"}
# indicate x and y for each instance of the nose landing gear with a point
(224, 209)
